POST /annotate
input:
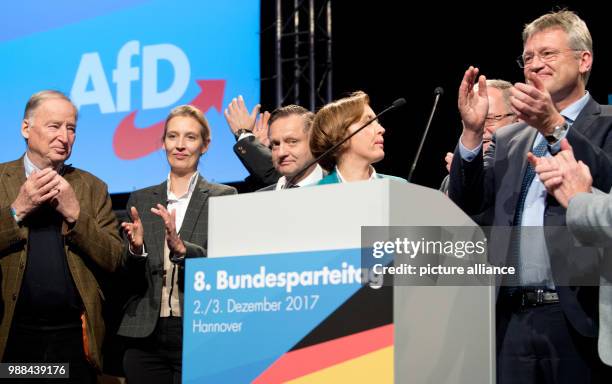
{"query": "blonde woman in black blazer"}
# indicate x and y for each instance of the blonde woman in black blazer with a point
(169, 223)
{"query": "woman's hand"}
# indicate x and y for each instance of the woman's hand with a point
(175, 244)
(135, 232)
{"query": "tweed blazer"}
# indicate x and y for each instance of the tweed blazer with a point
(92, 245)
(145, 274)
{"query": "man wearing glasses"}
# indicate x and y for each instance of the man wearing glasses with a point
(499, 115)
(546, 329)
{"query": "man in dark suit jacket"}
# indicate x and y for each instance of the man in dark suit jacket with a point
(252, 142)
(499, 115)
(257, 159)
(545, 329)
(288, 134)
(58, 234)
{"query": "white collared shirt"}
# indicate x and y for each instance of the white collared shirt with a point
(170, 304)
(180, 203)
(29, 166)
(373, 175)
(312, 178)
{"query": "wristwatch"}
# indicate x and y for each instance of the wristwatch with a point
(15, 216)
(557, 133)
(239, 132)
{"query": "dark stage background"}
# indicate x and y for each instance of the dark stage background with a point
(389, 50)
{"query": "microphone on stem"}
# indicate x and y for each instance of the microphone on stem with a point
(438, 92)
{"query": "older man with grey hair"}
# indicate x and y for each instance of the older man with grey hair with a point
(58, 233)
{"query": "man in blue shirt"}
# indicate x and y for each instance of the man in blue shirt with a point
(545, 329)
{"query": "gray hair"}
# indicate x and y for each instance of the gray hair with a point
(504, 86)
(39, 97)
(576, 29)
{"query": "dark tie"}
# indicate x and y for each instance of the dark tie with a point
(513, 257)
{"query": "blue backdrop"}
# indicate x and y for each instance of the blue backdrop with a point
(126, 64)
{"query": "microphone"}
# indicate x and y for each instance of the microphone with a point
(439, 91)
(396, 104)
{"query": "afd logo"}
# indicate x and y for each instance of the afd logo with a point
(91, 87)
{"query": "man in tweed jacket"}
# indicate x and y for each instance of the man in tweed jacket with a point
(58, 234)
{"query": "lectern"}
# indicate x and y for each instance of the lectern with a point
(250, 313)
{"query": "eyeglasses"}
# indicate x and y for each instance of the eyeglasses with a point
(496, 118)
(545, 56)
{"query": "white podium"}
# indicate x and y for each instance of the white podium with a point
(442, 334)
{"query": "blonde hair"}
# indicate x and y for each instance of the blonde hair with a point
(194, 113)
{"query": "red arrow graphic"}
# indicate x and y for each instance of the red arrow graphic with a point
(131, 142)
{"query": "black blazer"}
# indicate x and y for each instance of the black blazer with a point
(257, 159)
(488, 189)
(145, 274)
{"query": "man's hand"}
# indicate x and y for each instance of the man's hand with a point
(562, 175)
(262, 129)
(473, 107)
(175, 244)
(449, 160)
(532, 104)
(39, 188)
(65, 201)
(135, 232)
(238, 117)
